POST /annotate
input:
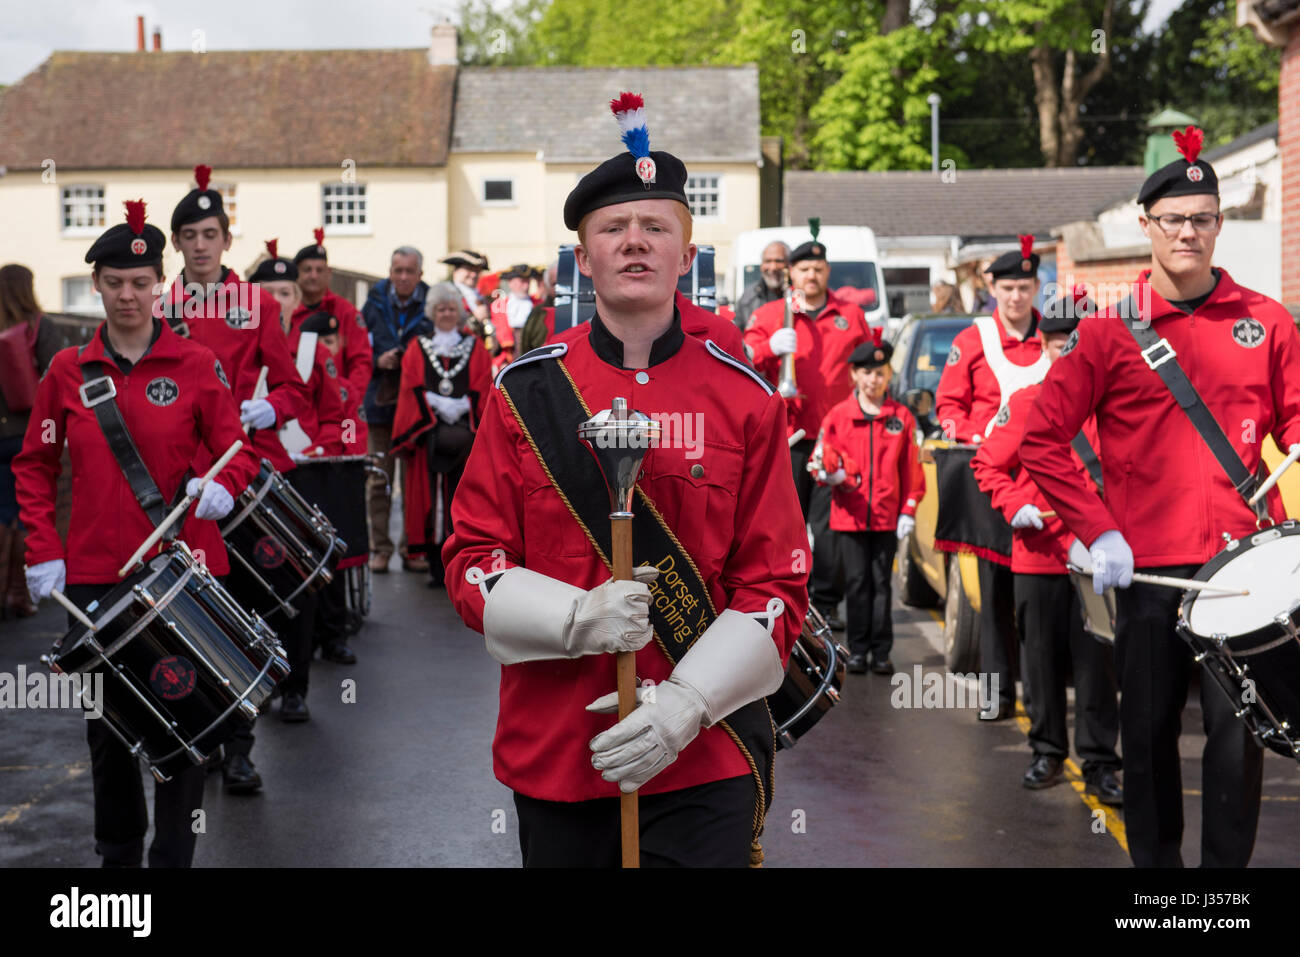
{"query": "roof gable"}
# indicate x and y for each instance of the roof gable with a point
(134, 110)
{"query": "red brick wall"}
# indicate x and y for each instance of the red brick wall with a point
(1288, 98)
(1106, 279)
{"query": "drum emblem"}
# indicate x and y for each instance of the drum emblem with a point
(237, 317)
(841, 323)
(893, 425)
(1248, 332)
(162, 391)
(173, 678)
(268, 552)
(954, 356)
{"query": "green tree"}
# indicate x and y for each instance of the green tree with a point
(492, 36)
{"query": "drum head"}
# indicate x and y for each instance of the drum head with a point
(1268, 564)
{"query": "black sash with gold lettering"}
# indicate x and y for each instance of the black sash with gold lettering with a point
(548, 407)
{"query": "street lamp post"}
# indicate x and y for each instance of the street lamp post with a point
(934, 99)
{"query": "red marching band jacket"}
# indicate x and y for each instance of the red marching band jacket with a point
(181, 417)
(821, 364)
(1000, 474)
(969, 395)
(241, 324)
(727, 493)
(413, 419)
(1165, 491)
(882, 462)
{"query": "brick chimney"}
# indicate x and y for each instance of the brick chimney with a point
(157, 39)
(139, 35)
(445, 45)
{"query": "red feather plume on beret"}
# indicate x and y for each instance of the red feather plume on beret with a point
(272, 247)
(876, 336)
(135, 215)
(1189, 142)
(1026, 246)
(201, 176)
(319, 233)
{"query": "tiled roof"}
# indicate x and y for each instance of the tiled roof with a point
(701, 114)
(262, 108)
(993, 203)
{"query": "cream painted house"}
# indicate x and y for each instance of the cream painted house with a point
(383, 148)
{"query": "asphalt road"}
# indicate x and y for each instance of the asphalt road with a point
(403, 776)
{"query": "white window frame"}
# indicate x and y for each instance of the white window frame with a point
(482, 191)
(85, 230)
(358, 191)
(721, 213)
(230, 203)
(96, 308)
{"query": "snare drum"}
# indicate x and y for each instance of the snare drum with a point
(280, 545)
(1250, 644)
(813, 679)
(183, 666)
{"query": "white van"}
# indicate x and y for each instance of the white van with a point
(850, 251)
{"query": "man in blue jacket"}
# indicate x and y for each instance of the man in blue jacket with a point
(394, 315)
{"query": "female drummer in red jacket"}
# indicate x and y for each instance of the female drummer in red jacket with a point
(179, 412)
(867, 452)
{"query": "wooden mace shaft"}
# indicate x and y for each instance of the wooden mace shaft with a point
(621, 534)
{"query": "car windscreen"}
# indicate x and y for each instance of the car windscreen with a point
(934, 342)
(853, 281)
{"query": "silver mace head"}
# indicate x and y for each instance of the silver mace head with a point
(618, 439)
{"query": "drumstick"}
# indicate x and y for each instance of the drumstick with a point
(73, 610)
(1272, 479)
(797, 437)
(259, 390)
(180, 508)
(1187, 583)
(1049, 514)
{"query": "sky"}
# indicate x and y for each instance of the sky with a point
(32, 30)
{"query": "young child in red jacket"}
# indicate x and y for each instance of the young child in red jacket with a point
(867, 452)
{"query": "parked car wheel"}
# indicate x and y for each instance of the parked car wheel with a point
(913, 589)
(961, 631)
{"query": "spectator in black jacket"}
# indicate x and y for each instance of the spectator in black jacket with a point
(394, 315)
(770, 284)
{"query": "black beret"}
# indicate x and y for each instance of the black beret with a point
(315, 250)
(1189, 176)
(1062, 313)
(616, 181)
(321, 323)
(809, 250)
(1016, 265)
(198, 203)
(869, 355)
(467, 258)
(129, 244)
(275, 270)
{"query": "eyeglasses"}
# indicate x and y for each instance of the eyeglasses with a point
(1172, 223)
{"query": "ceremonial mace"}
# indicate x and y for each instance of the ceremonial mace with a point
(618, 440)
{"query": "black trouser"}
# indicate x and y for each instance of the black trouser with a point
(998, 640)
(331, 613)
(121, 816)
(710, 825)
(447, 482)
(868, 569)
(297, 635)
(826, 577)
(1049, 617)
(1155, 666)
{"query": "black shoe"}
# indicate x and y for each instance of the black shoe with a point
(857, 664)
(1106, 787)
(293, 707)
(1043, 773)
(239, 775)
(881, 666)
(1005, 710)
(339, 654)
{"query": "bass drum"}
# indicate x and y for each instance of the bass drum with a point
(182, 665)
(813, 679)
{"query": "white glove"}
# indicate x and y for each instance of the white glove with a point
(214, 502)
(906, 525)
(449, 410)
(45, 577)
(306, 455)
(733, 663)
(783, 342)
(257, 413)
(1112, 562)
(1028, 516)
(531, 617)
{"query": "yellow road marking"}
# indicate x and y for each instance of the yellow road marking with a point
(1114, 823)
(74, 771)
